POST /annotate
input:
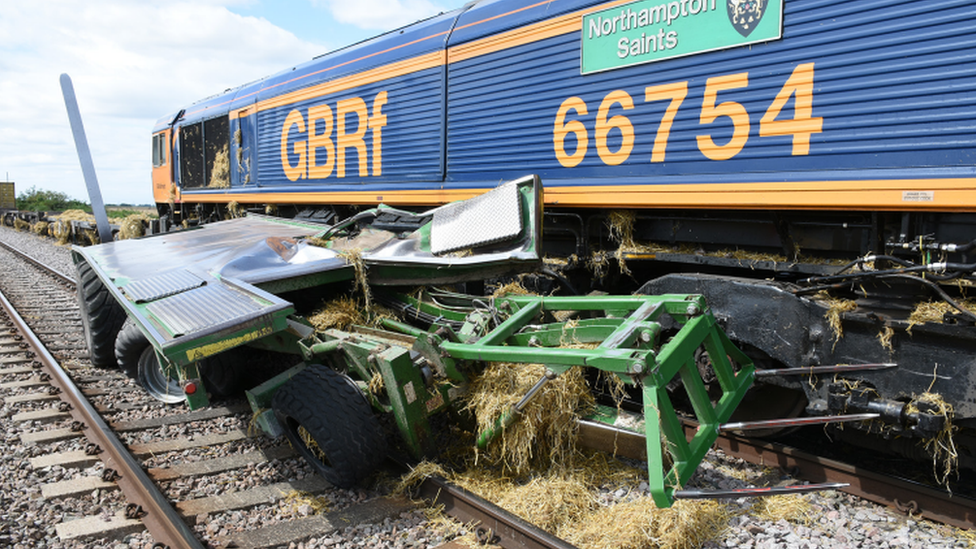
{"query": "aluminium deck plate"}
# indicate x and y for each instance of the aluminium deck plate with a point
(198, 292)
(203, 307)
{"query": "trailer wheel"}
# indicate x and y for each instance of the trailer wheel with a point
(101, 316)
(155, 381)
(129, 346)
(326, 417)
(221, 374)
(218, 372)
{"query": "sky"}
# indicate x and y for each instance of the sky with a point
(132, 62)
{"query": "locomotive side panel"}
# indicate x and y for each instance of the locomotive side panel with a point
(346, 140)
(845, 131)
(862, 106)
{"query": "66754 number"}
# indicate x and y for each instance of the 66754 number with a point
(803, 124)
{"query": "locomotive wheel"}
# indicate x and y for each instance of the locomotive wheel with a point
(101, 316)
(327, 418)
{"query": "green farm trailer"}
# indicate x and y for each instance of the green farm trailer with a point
(169, 309)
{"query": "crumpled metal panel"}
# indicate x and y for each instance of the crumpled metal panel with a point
(495, 216)
(202, 291)
(156, 287)
(253, 249)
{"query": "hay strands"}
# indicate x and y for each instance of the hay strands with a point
(836, 368)
(758, 492)
(628, 346)
(509, 417)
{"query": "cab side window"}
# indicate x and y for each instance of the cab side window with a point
(159, 150)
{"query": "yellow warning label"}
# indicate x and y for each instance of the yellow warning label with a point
(213, 348)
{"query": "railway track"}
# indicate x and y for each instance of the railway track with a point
(67, 400)
(164, 475)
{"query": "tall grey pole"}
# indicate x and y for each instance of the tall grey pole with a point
(84, 156)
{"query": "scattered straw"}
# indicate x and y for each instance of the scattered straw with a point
(253, 427)
(559, 499)
(310, 443)
(445, 526)
(296, 499)
(338, 313)
(21, 225)
(555, 261)
(751, 257)
(835, 308)
(638, 524)
(40, 228)
(376, 384)
(935, 312)
(941, 447)
(354, 256)
(546, 430)
(790, 507)
(235, 209)
(621, 225)
(885, 336)
(220, 172)
(551, 502)
(512, 288)
(419, 473)
(598, 264)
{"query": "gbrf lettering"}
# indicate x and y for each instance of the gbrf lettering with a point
(317, 154)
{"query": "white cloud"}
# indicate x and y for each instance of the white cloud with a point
(131, 62)
(380, 14)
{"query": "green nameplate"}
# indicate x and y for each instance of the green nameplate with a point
(652, 30)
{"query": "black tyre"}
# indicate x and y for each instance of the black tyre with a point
(328, 420)
(101, 317)
(129, 346)
(221, 374)
(136, 358)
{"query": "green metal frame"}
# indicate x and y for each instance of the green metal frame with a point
(629, 347)
(425, 372)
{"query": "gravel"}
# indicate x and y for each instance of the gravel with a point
(40, 248)
(831, 519)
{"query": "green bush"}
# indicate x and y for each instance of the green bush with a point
(34, 200)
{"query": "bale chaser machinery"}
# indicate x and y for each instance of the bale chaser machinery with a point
(172, 309)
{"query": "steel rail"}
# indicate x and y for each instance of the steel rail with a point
(161, 519)
(46, 268)
(905, 496)
(496, 526)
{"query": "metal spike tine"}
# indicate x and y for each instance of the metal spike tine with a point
(837, 368)
(793, 422)
(758, 492)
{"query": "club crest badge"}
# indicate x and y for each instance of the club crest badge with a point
(745, 14)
